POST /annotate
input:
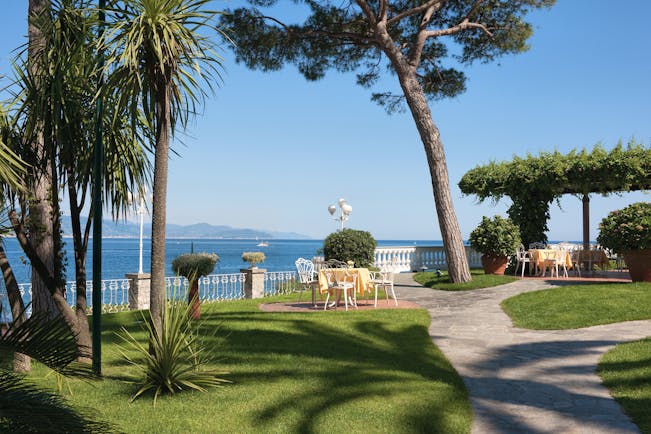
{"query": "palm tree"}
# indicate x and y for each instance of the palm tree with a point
(157, 54)
(61, 98)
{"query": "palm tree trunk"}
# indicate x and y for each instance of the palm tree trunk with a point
(40, 208)
(159, 205)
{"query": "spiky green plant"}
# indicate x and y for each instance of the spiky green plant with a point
(178, 356)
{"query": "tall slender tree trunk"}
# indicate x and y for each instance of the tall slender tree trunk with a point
(40, 207)
(455, 251)
(81, 248)
(18, 315)
(159, 205)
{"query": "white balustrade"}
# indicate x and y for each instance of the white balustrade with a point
(279, 282)
(414, 258)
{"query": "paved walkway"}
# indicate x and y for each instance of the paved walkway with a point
(524, 380)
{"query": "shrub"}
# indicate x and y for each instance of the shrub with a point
(627, 229)
(175, 360)
(350, 245)
(253, 258)
(194, 265)
(496, 237)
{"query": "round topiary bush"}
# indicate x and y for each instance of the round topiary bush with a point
(627, 229)
(194, 265)
(495, 237)
(350, 245)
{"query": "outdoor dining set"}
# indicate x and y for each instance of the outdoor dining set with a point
(558, 259)
(339, 281)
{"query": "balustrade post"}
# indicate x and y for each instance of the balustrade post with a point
(139, 288)
(253, 282)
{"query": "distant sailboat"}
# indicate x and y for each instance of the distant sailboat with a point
(262, 244)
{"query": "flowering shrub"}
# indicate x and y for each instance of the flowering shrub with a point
(496, 237)
(627, 229)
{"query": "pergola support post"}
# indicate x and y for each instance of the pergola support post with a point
(586, 222)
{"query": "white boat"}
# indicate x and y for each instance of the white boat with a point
(262, 244)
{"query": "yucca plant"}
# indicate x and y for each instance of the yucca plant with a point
(178, 357)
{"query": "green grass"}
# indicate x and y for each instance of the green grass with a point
(626, 371)
(576, 306)
(362, 371)
(479, 280)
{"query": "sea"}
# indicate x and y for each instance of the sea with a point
(121, 255)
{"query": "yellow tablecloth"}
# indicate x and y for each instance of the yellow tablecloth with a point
(538, 257)
(597, 257)
(363, 278)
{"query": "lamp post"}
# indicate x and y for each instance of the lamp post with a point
(140, 210)
(345, 209)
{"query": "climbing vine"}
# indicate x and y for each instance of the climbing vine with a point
(534, 182)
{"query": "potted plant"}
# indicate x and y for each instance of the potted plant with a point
(628, 231)
(194, 266)
(253, 258)
(496, 238)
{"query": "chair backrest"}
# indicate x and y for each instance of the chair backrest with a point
(305, 269)
(537, 245)
(521, 253)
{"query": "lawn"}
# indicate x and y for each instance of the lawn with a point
(626, 371)
(576, 306)
(479, 280)
(363, 371)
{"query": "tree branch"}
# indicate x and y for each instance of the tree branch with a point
(464, 25)
(372, 19)
(35, 260)
(437, 4)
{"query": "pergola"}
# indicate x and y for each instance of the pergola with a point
(532, 183)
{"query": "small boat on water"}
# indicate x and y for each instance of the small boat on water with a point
(262, 244)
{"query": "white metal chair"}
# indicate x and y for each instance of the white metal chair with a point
(522, 257)
(554, 262)
(306, 276)
(575, 257)
(383, 279)
(343, 286)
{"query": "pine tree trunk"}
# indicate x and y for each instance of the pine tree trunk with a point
(455, 251)
(159, 204)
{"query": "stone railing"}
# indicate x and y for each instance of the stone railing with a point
(413, 258)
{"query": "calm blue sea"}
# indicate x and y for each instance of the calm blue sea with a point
(120, 255)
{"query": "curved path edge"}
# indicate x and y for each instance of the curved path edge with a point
(519, 380)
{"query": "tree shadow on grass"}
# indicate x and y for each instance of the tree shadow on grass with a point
(343, 365)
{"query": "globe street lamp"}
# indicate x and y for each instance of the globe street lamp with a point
(140, 210)
(345, 208)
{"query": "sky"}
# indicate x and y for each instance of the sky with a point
(272, 151)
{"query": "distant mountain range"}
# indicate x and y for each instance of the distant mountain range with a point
(112, 229)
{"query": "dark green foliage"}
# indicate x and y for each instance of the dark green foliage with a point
(26, 408)
(534, 182)
(497, 236)
(350, 245)
(627, 229)
(175, 359)
(340, 36)
(194, 265)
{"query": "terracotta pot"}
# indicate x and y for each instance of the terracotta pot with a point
(193, 298)
(494, 264)
(639, 264)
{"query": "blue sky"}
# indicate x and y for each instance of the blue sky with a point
(272, 151)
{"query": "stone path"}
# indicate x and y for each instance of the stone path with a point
(524, 380)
